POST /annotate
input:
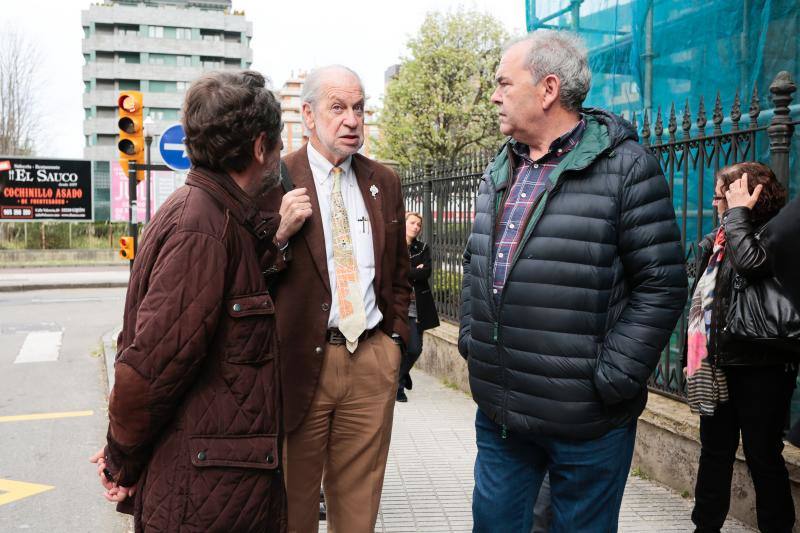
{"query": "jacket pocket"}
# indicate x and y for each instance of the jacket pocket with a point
(259, 451)
(250, 335)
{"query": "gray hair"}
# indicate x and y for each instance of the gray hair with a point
(313, 84)
(562, 54)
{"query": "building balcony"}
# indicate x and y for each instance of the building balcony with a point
(166, 16)
(106, 126)
(134, 71)
(125, 43)
(109, 99)
(100, 153)
(110, 153)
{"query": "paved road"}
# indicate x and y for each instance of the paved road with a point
(15, 279)
(50, 364)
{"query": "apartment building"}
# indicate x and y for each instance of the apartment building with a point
(157, 47)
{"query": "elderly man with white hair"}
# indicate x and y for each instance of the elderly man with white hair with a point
(573, 281)
(344, 299)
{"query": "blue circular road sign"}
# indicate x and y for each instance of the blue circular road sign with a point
(172, 148)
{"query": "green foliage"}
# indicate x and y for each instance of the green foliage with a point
(439, 105)
(60, 235)
(446, 284)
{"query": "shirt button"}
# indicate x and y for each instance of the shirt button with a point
(511, 226)
(318, 350)
(524, 195)
(535, 166)
(500, 255)
(494, 291)
(325, 306)
(559, 150)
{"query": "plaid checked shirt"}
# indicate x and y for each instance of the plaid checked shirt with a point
(530, 180)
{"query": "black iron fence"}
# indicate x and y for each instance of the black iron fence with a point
(444, 193)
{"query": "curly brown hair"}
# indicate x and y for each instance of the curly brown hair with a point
(773, 194)
(223, 115)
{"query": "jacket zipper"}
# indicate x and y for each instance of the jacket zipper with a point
(498, 309)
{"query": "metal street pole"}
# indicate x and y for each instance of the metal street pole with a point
(133, 228)
(148, 140)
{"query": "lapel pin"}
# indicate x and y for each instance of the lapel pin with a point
(374, 191)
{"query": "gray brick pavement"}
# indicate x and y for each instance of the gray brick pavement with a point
(428, 485)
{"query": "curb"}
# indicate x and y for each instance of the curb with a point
(51, 286)
(109, 355)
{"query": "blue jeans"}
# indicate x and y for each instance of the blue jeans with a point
(587, 479)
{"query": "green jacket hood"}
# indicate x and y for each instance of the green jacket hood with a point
(604, 131)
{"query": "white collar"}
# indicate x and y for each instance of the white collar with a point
(323, 167)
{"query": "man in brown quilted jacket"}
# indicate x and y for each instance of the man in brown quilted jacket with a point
(193, 438)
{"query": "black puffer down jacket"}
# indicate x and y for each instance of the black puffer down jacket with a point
(593, 294)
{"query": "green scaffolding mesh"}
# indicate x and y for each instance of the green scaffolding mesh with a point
(681, 50)
(651, 54)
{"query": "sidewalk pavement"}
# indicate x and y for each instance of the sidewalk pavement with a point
(429, 479)
(82, 277)
(428, 485)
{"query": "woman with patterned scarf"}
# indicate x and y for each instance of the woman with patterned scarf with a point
(737, 385)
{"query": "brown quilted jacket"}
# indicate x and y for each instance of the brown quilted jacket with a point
(194, 413)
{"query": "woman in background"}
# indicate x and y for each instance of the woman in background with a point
(422, 310)
(738, 385)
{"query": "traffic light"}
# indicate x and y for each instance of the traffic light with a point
(131, 132)
(126, 247)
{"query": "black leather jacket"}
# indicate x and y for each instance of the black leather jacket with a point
(744, 255)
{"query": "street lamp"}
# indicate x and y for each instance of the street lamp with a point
(148, 124)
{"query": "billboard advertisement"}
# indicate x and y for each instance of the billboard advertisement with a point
(162, 184)
(45, 189)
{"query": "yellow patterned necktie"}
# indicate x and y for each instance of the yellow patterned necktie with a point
(352, 316)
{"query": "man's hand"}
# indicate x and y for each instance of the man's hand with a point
(738, 194)
(112, 492)
(118, 494)
(295, 209)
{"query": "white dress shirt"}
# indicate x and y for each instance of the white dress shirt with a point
(360, 232)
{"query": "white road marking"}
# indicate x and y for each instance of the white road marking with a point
(67, 300)
(40, 346)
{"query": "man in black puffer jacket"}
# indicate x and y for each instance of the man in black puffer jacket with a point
(574, 279)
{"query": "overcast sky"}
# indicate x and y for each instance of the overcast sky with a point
(288, 36)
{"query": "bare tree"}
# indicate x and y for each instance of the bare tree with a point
(19, 118)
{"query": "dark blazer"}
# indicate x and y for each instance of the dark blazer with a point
(420, 254)
(302, 291)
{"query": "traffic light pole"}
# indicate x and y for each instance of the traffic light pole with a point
(148, 141)
(133, 226)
